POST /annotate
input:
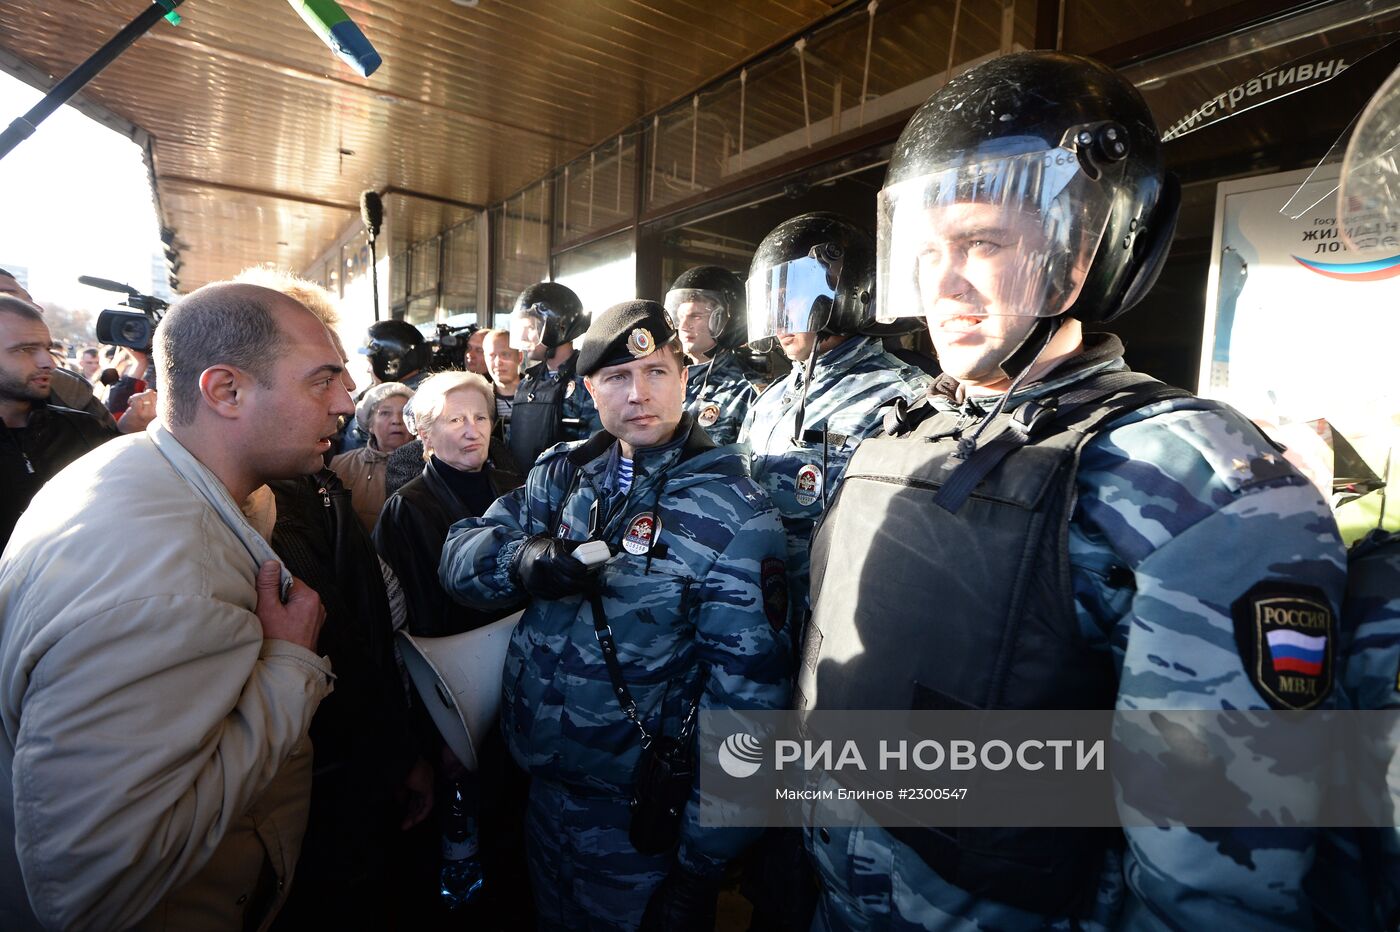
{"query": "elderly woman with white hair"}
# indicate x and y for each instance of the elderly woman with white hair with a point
(453, 414)
(380, 416)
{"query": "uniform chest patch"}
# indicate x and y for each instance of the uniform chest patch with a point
(708, 415)
(641, 531)
(775, 592)
(570, 388)
(809, 484)
(1285, 634)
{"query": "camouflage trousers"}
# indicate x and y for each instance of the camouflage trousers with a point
(873, 883)
(585, 873)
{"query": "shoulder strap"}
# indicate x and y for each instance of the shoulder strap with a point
(603, 632)
(902, 418)
(1086, 409)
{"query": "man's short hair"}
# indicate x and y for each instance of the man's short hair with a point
(310, 295)
(678, 351)
(9, 304)
(488, 335)
(219, 324)
(89, 351)
(10, 285)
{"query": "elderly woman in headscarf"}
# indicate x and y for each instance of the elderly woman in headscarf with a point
(380, 415)
(453, 415)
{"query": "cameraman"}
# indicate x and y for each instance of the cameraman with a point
(474, 360)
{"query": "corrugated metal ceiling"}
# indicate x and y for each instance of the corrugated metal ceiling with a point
(263, 141)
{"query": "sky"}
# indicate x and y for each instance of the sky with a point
(76, 200)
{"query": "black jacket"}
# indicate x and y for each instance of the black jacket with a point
(410, 534)
(34, 454)
(363, 725)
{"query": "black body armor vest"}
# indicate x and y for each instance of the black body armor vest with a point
(537, 419)
(946, 581)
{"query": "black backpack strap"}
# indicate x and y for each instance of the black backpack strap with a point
(1085, 409)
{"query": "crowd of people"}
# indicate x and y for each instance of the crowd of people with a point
(205, 719)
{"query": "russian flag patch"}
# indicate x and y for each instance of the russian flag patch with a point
(1285, 633)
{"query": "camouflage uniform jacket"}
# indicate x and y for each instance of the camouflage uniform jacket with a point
(718, 395)
(853, 382)
(1183, 506)
(1357, 879)
(701, 611)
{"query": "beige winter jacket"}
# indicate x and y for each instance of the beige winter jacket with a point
(154, 765)
(362, 471)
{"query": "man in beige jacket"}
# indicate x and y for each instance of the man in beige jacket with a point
(157, 667)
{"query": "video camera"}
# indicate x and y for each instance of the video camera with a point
(450, 346)
(134, 329)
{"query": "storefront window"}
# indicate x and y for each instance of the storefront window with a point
(602, 273)
(521, 252)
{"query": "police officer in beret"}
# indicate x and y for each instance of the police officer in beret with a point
(685, 611)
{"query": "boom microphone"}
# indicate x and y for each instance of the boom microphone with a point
(106, 284)
(372, 213)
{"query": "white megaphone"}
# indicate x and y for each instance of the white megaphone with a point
(459, 680)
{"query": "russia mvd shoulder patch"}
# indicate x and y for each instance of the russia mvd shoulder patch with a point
(1286, 634)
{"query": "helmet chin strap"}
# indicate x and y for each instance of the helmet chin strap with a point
(1018, 365)
(705, 382)
(809, 370)
(1025, 355)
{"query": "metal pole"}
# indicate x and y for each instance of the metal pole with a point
(23, 127)
(374, 277)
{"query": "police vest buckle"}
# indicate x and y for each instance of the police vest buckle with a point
(1031, 415)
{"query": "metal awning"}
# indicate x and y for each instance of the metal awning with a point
(263, 141)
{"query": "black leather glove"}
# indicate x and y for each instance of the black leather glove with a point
(684, 902)
(545, 568)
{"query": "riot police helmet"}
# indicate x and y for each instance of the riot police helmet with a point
(396, 349)
(722, 293)
(814, 273)
(548, 315)
(1029, 186)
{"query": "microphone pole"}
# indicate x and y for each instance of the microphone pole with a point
(23, 127)
(374, 277)
(372, 215)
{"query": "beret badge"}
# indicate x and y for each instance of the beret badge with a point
(640, 342)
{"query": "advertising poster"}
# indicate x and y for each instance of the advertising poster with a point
(1302, 334)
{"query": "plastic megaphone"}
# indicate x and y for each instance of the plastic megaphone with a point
(459, 680)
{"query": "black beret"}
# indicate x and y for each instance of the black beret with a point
(625, 333)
